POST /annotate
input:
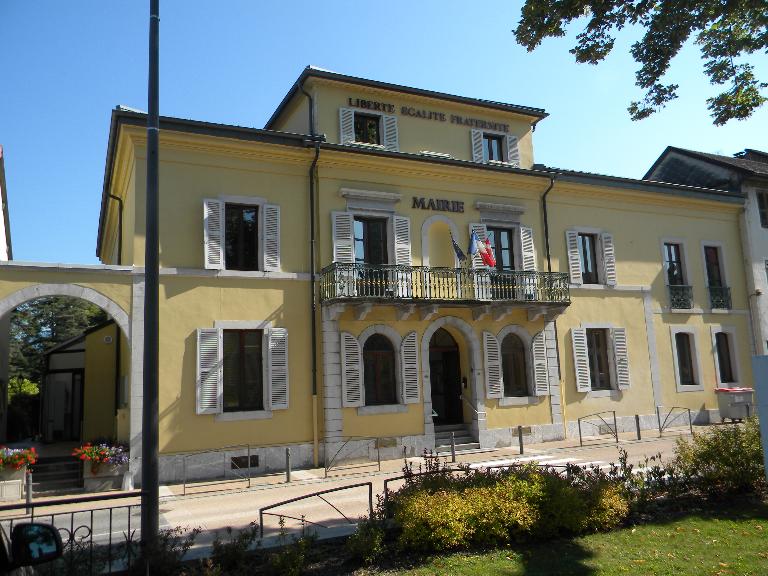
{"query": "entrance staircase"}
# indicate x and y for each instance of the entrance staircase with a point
(57, 475)
(461, 437)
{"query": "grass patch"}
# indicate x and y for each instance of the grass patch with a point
(729, 540)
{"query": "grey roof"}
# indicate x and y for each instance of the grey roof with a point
(745, 163)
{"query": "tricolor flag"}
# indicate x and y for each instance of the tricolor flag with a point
(483, 248)
(459, 254)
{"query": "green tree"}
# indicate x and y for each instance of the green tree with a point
(40, 324)
(725, 31)
(22, 386)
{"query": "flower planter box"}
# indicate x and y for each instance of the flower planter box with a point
(12, 483)
(103, 477)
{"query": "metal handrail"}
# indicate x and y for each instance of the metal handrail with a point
(469, 403)
(329, 464)
(667, 422)
(614, 431)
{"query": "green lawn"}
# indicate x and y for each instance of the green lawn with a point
(733, 541)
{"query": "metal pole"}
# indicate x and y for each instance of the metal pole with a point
(150, 485)
(378, 454)
(288, 464)
(745, 406)
(453, 448)
(249, 465)
(615, 427)
(520, 438)
(581, 441)
(690, 421)
(184, 477)
(637, 426)
(28, 479)
(658, 418)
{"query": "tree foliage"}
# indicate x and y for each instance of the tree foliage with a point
(23, 386)
(725, 31)
(40, 324)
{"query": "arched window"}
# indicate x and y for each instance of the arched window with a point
(379, 371)
(513, 366)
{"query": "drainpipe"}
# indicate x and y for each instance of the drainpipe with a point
(119, 228)
(545, 215)
(313, 141)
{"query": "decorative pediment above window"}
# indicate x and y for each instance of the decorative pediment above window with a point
(370, 199)
(491, 212)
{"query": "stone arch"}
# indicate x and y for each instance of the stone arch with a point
(9, 303)
(394, 337)
(472, 341)
(425, 234)
(527, 341)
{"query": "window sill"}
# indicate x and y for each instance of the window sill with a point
(682, 388)
(612, 394)
(237, 416)
(685, 310)
(719, 311)
(383, 409)
(367, 145)
(519, 401)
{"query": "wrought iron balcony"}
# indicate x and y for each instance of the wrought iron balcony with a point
(680, 297)
(341, 281)
(720, 297)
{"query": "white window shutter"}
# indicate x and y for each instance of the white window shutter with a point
(210, 390)
(540, 367)
(477, 145)
(390, 140)
(351, 371)
(527, 250)
(581, 359)
(494, 385)
(346, 125)
(271, 226)
(402, 234)
(609, 260)
(213, 234)
(513, 153)
(481, 230)
(409, 362)
(277, 368)
(343, 237)
(574, 259)
(621, 357)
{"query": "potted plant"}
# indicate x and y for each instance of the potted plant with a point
(13, 471)
(104, 465)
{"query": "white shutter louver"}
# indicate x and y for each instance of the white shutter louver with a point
(621, 357)
(527, 251)
(494, 386)
(480, 273)
(277, 368)
(343, 237)
(581, 359)
(477, 145)
(409, 362)
(346, 125)
(213, 234)
(574, 260)
(513, 153)
(402, 234)
(210, 393)
(271, 220)
(390, 140)
(351, 371)
(540, 367)
(482, 233)
(609, 260)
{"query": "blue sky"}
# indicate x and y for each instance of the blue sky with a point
(65, 65)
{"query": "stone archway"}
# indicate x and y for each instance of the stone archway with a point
(476, 373)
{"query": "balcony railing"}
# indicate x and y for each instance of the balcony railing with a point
(390, 282)
(680, 297)
(720, 297)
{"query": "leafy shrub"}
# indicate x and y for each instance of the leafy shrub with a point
(291, 559)
(367, 543)
(726, 460)
(608, 508)
(165, 555)
(432, 521)
(562, 507)
(233, 556)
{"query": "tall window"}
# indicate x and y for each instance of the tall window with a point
(513, 366)
(762, 207)
(673, 263)
(367, 128)
(588, 254)
(503, 248)
(370, 241)
(493, 146)
(243, 375)
(241, 237)
(685, 359)
(379, 371)
(597, 350)
(724, 359)
(714, 270)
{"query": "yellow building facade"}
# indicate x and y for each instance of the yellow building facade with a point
(312, 296)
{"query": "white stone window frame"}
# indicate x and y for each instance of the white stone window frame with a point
(517, 254)
(366, 112)
(732, 348)
(614, 392)
(504, 146)
(599, 254)
(723, 268)
(396, 340)
(376, 214)
(527, 340)
(695, 356)
(686, 271)
(262, 325)
(257, 201)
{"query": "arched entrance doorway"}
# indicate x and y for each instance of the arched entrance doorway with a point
(445, 376)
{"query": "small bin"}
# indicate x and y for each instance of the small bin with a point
(735, 403)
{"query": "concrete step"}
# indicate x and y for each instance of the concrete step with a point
(460, 448)
(450, 428)
(465, 439)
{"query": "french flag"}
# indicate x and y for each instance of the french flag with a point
(483, 248)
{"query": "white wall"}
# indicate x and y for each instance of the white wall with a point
(756, 252)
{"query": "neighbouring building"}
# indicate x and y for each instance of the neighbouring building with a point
(312, 294)
(6, 253)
